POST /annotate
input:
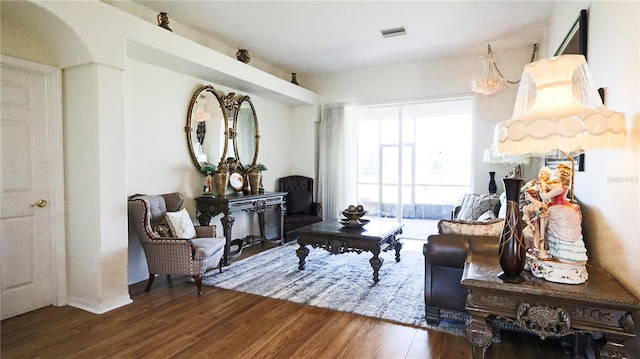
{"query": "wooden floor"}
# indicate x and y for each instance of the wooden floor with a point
(171, 321)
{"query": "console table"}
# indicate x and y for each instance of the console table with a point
(601, 305)
(210, 206)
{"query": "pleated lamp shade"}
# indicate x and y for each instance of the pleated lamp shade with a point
(558, 109)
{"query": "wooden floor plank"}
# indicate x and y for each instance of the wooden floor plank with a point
(172, 322)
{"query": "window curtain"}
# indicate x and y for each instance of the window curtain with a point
(333, 173)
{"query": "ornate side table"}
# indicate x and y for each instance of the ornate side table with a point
(601, 305)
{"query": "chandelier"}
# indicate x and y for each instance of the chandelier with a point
(491, 83)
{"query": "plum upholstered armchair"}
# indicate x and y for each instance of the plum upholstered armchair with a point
(167, 253)
(301, 209)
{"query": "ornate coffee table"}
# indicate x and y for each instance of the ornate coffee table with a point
(337, 239)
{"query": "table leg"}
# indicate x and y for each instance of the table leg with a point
(261, 226)
(283, 212)
(397, 247)
(479, 333)
(227, 222)
(302, 253)
(376, 264)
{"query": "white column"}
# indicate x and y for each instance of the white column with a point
(96, 187)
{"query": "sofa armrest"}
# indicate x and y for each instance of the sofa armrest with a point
(444, 258)
(484, 244)
(449, 250)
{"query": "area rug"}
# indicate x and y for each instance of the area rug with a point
(341, 282)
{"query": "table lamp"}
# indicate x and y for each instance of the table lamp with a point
(557, 110)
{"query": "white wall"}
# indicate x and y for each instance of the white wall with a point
(124, 130)
(437, 79)
(157, 156)
(609, 187)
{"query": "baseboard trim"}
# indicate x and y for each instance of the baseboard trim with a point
(98, 308)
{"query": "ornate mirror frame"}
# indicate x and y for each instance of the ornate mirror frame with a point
(242, 135)
(201, 131)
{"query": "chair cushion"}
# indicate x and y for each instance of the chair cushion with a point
(204, 248)
(299, 202)
(474, 205)
(491, 228)
(181, 224)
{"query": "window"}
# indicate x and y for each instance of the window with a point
(413, 159)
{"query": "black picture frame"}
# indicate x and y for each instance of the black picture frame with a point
(576, 40)
(574, 43)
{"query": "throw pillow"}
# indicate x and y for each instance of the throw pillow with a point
(180, 224)
(299, 202)
(474, 205)
(162, 230)
(486, 216)
(503, 205)
(471, 228)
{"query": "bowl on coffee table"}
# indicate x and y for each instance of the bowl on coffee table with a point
(354, 218)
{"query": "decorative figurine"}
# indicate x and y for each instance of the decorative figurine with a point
(558, 253)
(163, 21)
(243, 55)
(208, 187)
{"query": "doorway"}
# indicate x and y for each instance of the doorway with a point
(33, 270)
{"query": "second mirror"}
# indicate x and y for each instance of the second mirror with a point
(247, 137)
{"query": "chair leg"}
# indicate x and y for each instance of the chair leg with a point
(221, 264)
(198, 279)
(150, 282)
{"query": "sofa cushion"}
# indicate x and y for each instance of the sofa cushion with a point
(472, 228)
(180, 224)
(474, 205)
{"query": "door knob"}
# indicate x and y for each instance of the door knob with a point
(40, 203)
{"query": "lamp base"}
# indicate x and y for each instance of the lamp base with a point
(553, 270)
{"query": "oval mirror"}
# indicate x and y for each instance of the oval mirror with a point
(247, 137)
(206, 128)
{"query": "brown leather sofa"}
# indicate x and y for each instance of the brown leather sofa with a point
(444, 257)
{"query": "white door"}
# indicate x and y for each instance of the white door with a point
(30, 205)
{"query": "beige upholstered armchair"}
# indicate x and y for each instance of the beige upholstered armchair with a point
(167, 253)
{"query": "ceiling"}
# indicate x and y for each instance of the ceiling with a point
(332, 36)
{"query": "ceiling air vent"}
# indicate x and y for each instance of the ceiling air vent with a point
(396, 31)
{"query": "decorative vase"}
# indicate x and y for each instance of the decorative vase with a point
(493, 188)
(243, 55)
(512, 250)
(221, 178)
(254, 178)
(163, 21)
